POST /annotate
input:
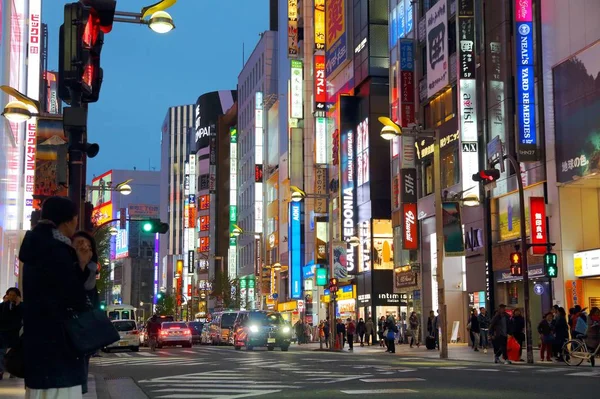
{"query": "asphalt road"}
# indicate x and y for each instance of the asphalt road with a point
(221, 372)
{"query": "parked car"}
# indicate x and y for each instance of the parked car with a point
(196, 329)
(129, 336)
(261, 328)
(173, 334)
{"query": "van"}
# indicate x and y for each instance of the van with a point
(221, 328)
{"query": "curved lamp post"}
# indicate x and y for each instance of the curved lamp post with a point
(153, 15)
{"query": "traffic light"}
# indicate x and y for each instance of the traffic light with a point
(159, 296)
(333, 287)
(550, 265)
(80, 42)
(515, 264)
(154, 226)
(102, 305)
(487, 176)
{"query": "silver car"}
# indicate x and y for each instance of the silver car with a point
(174, 333)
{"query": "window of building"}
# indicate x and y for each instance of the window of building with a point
(450, 171)
(441, 109)
(427, 177)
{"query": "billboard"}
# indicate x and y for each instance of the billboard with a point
(295, 250)
(53, 104)
(296, 92)
(320, 140)
(101, 194)
(143, 210)
(122, 238)
(232, 254)
(437, 48)
(319, 23)
(320, 85)
(527, 150)
(336, 52)
(577, 114)
(454, 243)
(292, 27)
(208, 108)
(102, 214)
(50, 159)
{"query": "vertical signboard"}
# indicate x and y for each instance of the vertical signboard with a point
(336, 35)
(410, 237)
(537, 218)
(296, 90)
(292, 28)
(437, 48)
(407, 85)
(295, 251)
(258, 160)
(320, 140)
(454, 243)
(53, 104)
(321, 190)
(320, 86)
(232, 256)
(467, 95)
(34, 53)
(319, 25)
(348, 190)
(525, 80)
(156, 254)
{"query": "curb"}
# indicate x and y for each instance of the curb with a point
(101, 387)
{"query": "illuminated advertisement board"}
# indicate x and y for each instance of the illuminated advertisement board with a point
(293, 27)
(348, 190)
(232, 253)
(53, 104)
(362, 153)
(525, 80)
(102, 214)
(296, 92)
(258, 161)
(295, 250)
(320, 85)
(320, 140)
(319, 25)
(51, 149)
(438, 74)
(336, 36)
(122, 239)
(101, 193)
(156, 254)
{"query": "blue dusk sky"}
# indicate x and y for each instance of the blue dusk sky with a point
(145, 73)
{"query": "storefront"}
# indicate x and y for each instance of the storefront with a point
(407, 287)
(509, 291)
(289, 311)
(585, 290)
(346, 301)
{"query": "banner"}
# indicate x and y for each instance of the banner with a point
(336, 35)
(410, 237)
(454, 244)
(537, 218)
(319, 25)
(437, 48)
(296, 92)
(320, 85)
(292, 27)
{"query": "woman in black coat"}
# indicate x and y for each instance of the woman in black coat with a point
(561, 330)
(53, 280)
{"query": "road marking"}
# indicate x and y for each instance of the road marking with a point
(377, 391)
(392, 379)
(189, 351)
(586, 374)
(553, 370)
(491, 370)
(146, 354)
(122, 354)
(453, 368)
(228, 396)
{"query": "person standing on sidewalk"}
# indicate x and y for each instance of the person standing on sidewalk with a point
(546, 336)
(499, 328)
(561, 332)
(413, 329)
(484, 327)
(369, 330)
(432, 328)
(327, 332)
(381, 330)
(350, 331)
(474, 329)
(360, 330)
(517, 330)
(11, 320)
(341, 332)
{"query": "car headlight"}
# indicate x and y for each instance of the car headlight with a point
(254, 329)
(285, 330)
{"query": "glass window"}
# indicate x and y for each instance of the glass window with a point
(450, 174)
(228, 319)
(265, 318)
(174, 325)
(124, 325)
(427, 178)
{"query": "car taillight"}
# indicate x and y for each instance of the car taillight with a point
(187, 332)
(135, 332)
(164, 332)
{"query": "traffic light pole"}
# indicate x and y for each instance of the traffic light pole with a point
(524, 249)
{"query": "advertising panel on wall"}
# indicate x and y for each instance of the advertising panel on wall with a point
(321, 240)
(348, 189)
(527, 149)
(319, 25)
(296, 90)
(537, 218)
(102, 194)
(209, 107)
(454, 244)
(320, 140)
(258, 159)
(410, 239)
(437, 48)
(336, 35)
(122, 238)
(321, 190)
(340, 259)
(51, 147)
(53, 104)
(320, 84)
(509, 225)
(577, 114)
(295, 250)
(232, 254)
(292, 27)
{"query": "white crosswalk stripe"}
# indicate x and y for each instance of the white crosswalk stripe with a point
(230, 384)
(154, 359)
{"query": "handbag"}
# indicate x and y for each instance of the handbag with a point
(14, 360)
(89, 331)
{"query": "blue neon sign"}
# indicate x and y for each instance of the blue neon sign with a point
(295, 251)
(527, 134)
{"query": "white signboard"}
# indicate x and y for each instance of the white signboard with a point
(320, 140)
(437, 48)
(587, 263)
(296, 90)
(468, 134)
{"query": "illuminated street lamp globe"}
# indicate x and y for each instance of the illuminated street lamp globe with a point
(388, 133)
(277, 266)
(161, 22)
(113, 231)
(17, 112)
(124, 189)
(354, 241)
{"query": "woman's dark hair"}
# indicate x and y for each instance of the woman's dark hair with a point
(92, 241)
(58, 210)
(561, 311)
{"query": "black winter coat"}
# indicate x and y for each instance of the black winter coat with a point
(11, 320)
(52, 284)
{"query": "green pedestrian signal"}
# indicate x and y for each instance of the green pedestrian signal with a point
(550, 265)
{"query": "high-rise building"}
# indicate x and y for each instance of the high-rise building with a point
(176, 143)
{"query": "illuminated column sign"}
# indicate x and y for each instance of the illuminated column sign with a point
(33, 91)
(527, 135)
(232, 255)
(156, 251)
(258, 161)
(467, 96)
(319, 25)
(296, 96)
(348, 192)
(295, 251)
(186, 225)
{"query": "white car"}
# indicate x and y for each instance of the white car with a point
(129, 336)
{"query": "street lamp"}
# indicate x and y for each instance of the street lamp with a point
(22, 108)
(154, 16)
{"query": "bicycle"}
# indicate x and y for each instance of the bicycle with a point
(575, 351)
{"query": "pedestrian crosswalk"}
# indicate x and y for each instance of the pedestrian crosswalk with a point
(230, 384)
(154, 359)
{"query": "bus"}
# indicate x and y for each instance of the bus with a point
(121, 312)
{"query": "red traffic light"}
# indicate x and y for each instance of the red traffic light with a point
(487, 176)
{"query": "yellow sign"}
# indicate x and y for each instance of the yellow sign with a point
(103, 214)
(287, 306)
(336, 21)
(319, 24)
(341, 295)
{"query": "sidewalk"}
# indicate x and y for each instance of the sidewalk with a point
(14, 388)
(461, 352)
